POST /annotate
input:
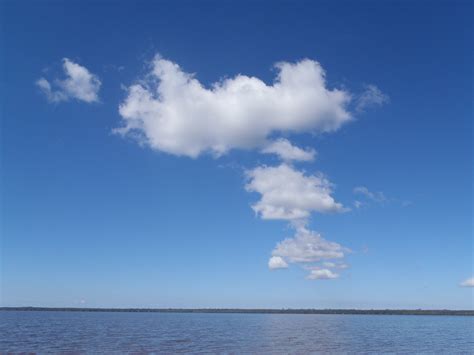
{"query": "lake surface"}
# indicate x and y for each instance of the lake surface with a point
(47, 332)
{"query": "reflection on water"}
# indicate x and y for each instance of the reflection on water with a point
(237, 333)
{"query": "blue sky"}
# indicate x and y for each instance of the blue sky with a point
(127, 182)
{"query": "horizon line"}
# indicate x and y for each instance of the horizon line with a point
(342, 311)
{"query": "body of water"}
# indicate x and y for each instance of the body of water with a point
(93, 332)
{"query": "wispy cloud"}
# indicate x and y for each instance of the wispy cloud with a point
(334, 265)
(367, 197)
(79, 84)
(374, 196)
(322, 274)
(371, 97)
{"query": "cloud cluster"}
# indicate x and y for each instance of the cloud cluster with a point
(289, 194)
(307, 248)
(79, 84)
(288, 152)
(468, 283)
(171, 111)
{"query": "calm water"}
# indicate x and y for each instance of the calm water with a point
(232, 333)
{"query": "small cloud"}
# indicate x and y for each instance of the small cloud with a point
(371, 97)
(277, 262)
(467, 283)
(288, 152)
(289, 194)
(79, 84)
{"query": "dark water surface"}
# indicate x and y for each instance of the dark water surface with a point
(94, 332)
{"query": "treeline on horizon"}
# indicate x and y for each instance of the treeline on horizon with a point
(427, 312)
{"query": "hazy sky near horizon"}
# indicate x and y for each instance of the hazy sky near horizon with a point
(236, 154)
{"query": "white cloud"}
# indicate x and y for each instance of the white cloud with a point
(371, 97)
(374, 196)
(79, 84)
(288, 152)
(322, 274)
(468, 283)
(172, 111)
(289, 194)
(277, 262)
(308, 246)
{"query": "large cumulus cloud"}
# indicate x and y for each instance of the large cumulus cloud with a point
(171, 111)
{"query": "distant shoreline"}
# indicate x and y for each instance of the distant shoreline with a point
(417, 312)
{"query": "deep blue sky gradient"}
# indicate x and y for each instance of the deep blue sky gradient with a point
(88, 215)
